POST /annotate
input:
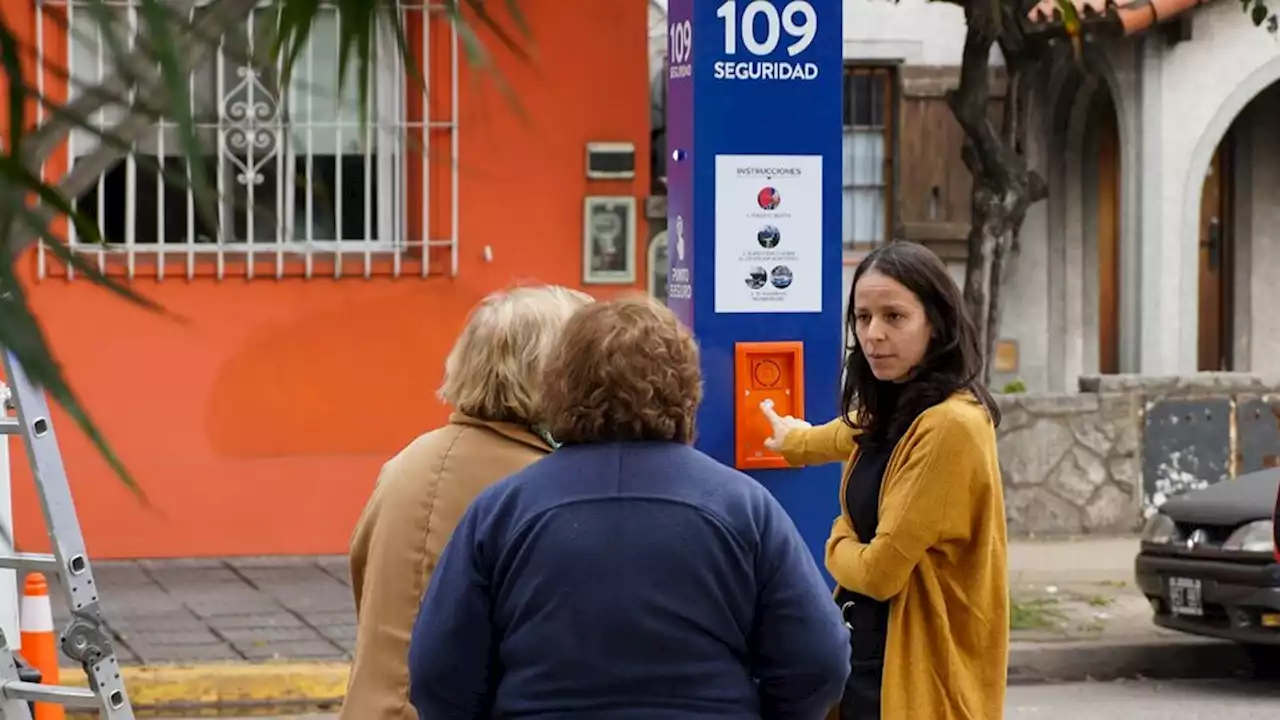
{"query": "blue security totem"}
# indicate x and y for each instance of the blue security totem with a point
(754, 210)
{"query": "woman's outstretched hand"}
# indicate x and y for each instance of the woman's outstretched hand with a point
(781, 426)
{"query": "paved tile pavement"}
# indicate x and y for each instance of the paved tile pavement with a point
(300, 608)
(235, 609)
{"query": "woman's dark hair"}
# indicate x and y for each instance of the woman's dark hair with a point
(952, 361)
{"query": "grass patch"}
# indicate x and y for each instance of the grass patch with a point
(1041, 614)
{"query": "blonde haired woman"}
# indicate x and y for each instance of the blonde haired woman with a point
(491, 380)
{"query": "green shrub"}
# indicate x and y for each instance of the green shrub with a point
(1013, 387)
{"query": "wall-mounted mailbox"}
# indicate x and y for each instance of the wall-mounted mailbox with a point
(764, 371)
(611, 160)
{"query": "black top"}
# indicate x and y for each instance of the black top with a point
(869, 617)
(862, 498)
(862, 493)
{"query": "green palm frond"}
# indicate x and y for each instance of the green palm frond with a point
(152, 61)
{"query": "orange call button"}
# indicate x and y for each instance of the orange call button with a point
(764, 371)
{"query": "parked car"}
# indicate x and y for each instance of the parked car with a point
(1209, 564)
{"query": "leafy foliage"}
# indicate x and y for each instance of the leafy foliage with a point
(152, 64)
(1261, 14)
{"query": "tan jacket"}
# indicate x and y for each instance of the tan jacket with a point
(419, 498)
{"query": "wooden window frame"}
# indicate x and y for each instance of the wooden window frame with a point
(890, 78)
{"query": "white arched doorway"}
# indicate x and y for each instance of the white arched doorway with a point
(1089, 229)
(1234, 171)
(1188, 95)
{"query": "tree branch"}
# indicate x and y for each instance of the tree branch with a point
(1012, 108)
(1020, 70)
(971, 99)
(1003, 187)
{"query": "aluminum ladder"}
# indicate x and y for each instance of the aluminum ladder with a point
(84, 639)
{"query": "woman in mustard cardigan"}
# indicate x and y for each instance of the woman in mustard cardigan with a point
(919, 549)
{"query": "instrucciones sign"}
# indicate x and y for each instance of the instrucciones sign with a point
(768, 234)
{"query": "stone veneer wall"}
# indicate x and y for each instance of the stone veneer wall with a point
(1072, 462)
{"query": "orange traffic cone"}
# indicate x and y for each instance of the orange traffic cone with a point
(39, 643)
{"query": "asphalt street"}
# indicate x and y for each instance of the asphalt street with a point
(1121, 700)
(1145, 700)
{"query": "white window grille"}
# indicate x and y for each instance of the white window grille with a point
(303, 188)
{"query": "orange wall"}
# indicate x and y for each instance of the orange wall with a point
(259, 426)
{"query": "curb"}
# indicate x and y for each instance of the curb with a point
(1152, 658)
(293, 686)
(233, 687)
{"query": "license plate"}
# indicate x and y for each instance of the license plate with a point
(1184, 597)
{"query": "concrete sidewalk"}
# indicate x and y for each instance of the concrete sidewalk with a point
(238, 609)
(249, 632)
(1078, 615)
(235, 634)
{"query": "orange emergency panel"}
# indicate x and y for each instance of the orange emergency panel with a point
(764, 371)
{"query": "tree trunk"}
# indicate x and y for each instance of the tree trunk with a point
(1003, 187)
(990, 238)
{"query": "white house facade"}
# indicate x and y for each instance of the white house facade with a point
(1158, 250)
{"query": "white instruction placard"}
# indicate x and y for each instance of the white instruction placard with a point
(768, 255)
